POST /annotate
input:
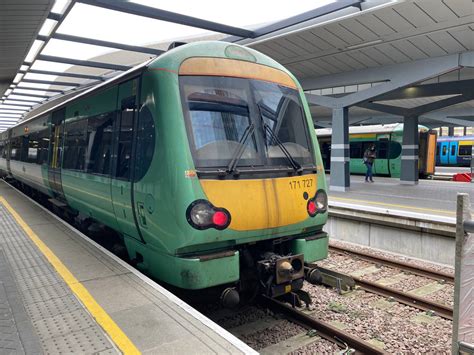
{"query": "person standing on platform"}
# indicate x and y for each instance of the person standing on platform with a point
(369, 158)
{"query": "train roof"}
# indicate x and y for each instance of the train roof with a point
(387, 128)
(178, 51)
(455, 138)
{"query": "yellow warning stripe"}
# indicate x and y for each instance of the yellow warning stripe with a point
(101, 316)
(392, 205)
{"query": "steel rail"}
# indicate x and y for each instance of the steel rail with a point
(405, 298)
(417, 270)
(324, 329)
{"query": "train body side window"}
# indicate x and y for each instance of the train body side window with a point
(465, 150)
(125, 136)
(33, 148)
(75, 145)
(145, 142)
(382, 149)
(99, 143)
(25, 142)
(356, 150)
(395, 149)
(15, 148)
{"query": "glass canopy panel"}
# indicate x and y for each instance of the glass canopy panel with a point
(114, 26)
(60, 67)
(242, 13)
(12, 101)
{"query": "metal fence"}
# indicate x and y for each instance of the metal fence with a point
(463, 322)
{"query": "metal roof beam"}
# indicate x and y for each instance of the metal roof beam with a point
(71, 75)
(18, 105)
(49, 82)
(84, 63)
(30, 95)
(19, 100)
(163, 15)
(96, 42)
(37, 89)
(427, 90)
(392, 110)
(11, 109)
(438, 105)
(306, 16)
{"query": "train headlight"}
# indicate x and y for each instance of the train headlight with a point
(201, 214)
(318, 204)
(321, 201)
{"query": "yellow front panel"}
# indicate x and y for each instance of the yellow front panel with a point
(262, 203)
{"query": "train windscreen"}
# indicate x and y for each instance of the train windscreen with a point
(258, 123)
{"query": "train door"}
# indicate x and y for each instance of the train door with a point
(56, 153)
(8, 147)
(122, 184)
(443, 157)
(381, 162)
(453, 153)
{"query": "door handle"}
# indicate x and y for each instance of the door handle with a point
(141, 213)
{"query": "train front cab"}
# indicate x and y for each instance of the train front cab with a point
(228, 207)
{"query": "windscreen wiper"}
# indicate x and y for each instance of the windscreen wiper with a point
(266, 128)
(296, 166)
(238, 153)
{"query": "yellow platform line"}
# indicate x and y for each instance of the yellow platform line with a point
(405, 207)
(100, 315)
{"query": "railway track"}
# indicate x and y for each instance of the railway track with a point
(406, 298)
(416, 270)
(341, 338)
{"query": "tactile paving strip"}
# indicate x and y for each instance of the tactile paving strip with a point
(62, 324)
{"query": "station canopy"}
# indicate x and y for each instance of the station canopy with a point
(53, 50)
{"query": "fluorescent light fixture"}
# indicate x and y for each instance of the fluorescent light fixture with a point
(35, 48)
(47, 27)
(18, 78)
(365, 44)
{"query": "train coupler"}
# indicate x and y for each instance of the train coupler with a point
(296, 298)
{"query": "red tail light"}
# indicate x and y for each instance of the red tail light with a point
(312, 208)
(220, 218)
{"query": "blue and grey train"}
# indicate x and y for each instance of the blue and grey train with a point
(454, 151)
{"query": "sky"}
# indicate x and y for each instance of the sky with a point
(94, 22)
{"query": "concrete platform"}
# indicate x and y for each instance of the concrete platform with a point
(429, 197)
(62, 293)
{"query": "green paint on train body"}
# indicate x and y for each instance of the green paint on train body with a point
(155, 229)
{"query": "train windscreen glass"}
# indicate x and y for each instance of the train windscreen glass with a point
(261, 119)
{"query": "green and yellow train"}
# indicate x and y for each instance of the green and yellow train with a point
(388, 145)
(203, 159)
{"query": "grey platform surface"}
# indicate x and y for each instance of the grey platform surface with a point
(39, 312)
(429, 196)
